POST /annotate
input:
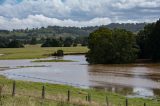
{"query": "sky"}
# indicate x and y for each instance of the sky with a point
(22, 14)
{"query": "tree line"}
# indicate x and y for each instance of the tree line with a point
(51, 31)
(8, 43)
(65, 42)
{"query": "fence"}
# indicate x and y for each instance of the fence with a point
(65, 94)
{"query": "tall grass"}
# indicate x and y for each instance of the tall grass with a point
(30, 94)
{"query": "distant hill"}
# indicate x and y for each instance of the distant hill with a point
(57, 31)
(128, 26)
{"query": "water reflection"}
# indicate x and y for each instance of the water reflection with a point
(132, 80)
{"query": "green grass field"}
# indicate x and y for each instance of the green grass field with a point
(35, 51)
(29, 94)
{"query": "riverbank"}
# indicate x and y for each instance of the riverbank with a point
(36, 52)
(3, 68)
(27, 93)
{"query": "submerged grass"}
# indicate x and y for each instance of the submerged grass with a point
(55, 60)
(29, 94)
(32, 66)
(35, 51)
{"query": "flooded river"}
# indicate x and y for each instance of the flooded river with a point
(134, 80)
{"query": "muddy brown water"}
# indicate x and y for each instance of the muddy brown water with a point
(133, 80)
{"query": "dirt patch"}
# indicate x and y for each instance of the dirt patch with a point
(1, 54)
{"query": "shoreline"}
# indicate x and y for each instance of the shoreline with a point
(98, 96)
(74, 54)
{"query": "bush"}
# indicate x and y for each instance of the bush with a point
(75, 45)
(58, 53)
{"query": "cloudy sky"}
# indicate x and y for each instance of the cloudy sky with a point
(17, 14)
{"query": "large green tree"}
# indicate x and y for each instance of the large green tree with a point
(144, 41)
(148, 40)
(111, 46)
(155, 41)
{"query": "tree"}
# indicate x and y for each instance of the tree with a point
(68, 42)
(143, 41)
(15, 44)
(148, 40)
(81, 40)
(33, 41)
(3, 42)
(155, 41)
(55, 43)
(111, 46)
(51, 43)
(60, 41)
(47, 43)
(75, 45)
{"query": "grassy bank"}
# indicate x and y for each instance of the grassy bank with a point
(35, 51)
(29, 94)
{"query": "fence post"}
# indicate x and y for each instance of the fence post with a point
(14, 88)
(126, 102)
(86, 98)
(68, 95)
(107, 102)
(89, 97)
(0, 92)
(144, 104)
(43, 92)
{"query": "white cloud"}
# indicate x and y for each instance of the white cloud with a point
(79, 12)
(28, 7)
(35, 21)
(127, 4)
(75, 9)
